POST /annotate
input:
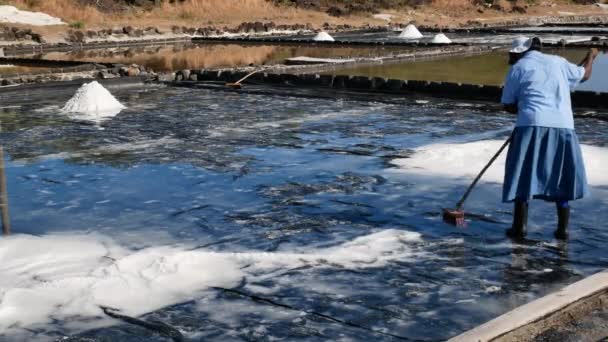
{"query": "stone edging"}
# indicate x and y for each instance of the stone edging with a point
(47, 62)
(575, 20)
(580, 99)
(310, 42)
(528, 321)
(26, 49)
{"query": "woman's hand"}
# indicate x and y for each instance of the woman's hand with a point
(587, 63)
(593, 52)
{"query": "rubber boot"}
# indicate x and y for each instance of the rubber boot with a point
(563, 217)
(520, 221)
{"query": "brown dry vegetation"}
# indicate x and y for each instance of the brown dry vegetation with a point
(233, 12)
(189, 12)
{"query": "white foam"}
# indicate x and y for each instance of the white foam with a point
(66, 277)
(441, 38)
(410, 32)
(466, 160)
(93, 102)
(10, 14)
(323, 37)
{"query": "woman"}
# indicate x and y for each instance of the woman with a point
(544, 159)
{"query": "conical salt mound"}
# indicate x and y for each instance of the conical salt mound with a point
(94, 101)
(410, 32)
(323, 37)
(441, 39)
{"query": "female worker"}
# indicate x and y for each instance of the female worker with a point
(544, 159)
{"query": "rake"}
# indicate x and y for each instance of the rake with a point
(237, 84)
(456, 216)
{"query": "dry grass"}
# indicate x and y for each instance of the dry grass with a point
(189, 12)
(196, 13)
(448, 5)
(226, 10)
(68, 10)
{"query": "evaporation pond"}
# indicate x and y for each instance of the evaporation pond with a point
(322, 206)
(179, 57)
(480, 69)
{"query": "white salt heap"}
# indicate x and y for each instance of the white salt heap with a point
(66, 276)
(441, 39)
(466, 160)
(383, 16)
(10, 14)
(323, 37)
(410, 32)
(93, 102)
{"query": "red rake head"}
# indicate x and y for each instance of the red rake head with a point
(454, 217)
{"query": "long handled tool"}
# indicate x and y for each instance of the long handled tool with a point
(456, 216)
(237, 84)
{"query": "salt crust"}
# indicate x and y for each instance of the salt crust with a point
(323, 37)
(93, 102)
(441, 38)
(410, 32)
(67, 276)
(10, 14)
(466, 160)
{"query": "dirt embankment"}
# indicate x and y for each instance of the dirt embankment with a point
(90, 17)
(165, 13)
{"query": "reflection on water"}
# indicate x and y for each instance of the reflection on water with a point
(178, 57)
(17, 69)
(230, 171)
(481, 69)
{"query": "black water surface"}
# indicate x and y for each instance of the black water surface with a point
(232, 171)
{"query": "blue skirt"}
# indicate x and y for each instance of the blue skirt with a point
(544, 163)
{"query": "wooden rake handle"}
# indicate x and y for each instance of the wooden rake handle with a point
(485, 168)
(247, 76)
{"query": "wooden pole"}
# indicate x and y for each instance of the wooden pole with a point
(6, 223)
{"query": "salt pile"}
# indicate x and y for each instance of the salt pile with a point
(10, 14)
(441, 39)
(383, 16)
(61, 277)
(410, 32)
(93, 102)
(323, 37)
(465, 160)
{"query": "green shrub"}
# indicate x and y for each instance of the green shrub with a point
(77, 24)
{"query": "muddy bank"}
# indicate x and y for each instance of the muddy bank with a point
(35, 71)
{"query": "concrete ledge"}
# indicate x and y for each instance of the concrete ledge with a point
(507, 25)
(41, 48)
(310, 42)
(528, 321)
(580, 99)
(75, 83)
(34, 62)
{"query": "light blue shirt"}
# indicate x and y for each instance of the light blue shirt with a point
(540, 86)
